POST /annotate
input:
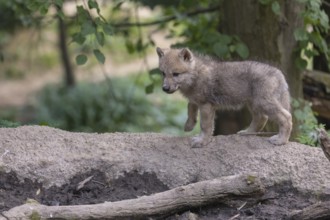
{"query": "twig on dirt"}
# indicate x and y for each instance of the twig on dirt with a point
(4, 154)
(239, 208)
(82, 183)
(234, 217)
(94, 181)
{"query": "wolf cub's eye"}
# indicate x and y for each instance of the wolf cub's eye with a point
(163, 74)
(175, 74)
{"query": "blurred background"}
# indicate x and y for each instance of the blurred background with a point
(91, 66)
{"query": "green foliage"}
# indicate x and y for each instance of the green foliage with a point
(109, 106)
(311, 37)
(275, 5)
(316, 27)
(8, 124)
(200, 34)
(308, 124)
(90, 29)
(81, 59)
(16, 13)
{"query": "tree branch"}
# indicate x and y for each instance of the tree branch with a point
(166, 19)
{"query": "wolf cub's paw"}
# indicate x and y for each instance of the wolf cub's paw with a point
(200, 141)
(189, 126)
(197, 142)
(276, 140)
(243, 131)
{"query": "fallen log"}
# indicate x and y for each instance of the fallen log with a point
(314, 212)
(316, 87)
(160, 204)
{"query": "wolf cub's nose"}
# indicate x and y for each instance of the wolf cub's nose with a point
(166, 88)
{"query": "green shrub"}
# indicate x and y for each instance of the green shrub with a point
(308, 125)
(118, 105)
(8, 124)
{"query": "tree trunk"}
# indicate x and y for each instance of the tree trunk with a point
(67, 67)
(268, 36)
(320, 62)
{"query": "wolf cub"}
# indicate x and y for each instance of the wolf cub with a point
(209, 84)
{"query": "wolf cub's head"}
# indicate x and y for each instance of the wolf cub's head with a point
(177, 67)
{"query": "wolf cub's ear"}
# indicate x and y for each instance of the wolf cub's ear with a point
(186, 55)
(160, 52)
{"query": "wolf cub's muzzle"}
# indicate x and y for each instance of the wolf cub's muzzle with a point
(167, 89)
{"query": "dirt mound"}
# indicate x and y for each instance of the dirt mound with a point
(47, 165)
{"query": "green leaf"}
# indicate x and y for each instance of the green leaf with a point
(93, 4)
(301, 63)
(107, 28)
(87, 28)
(99, 56)
(139, 45)
(44, 8)
(61, 14)
(83, 14)
(324, 20)
(59, 3)
(225, 39)
(130, 46)
(220, 49)
(311, 52)
(33, 5)
(276, 8)
(81, 59)
(78, 38)
(242, 50)
(211, 36)
(300, 34)
(154, 71)
(149, 89)
(100, 37)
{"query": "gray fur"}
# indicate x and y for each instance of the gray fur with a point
(210, 84)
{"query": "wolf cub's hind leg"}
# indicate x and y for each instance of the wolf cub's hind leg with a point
(284, 120)
(192, 117)
(259, 121)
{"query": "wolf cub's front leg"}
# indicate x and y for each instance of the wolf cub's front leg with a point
(207, 113)
(192, 117)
